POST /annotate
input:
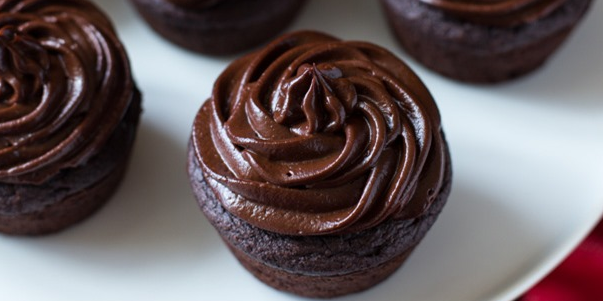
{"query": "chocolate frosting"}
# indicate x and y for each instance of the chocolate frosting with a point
(313, 135)
(65, 85)
(195, 4)
(497, 12)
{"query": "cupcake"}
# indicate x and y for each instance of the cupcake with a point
(218, 27)
(320, 162)
(68, 114)
(483, 41)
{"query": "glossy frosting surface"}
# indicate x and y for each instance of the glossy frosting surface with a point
(497, 12)
(64, 86)
(313, 135)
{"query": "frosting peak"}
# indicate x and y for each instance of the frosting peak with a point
(497, 12)
(309, 104)
(314, 135)
(23, 63)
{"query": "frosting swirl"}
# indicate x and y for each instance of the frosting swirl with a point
(65, 85)
(497, 12)
(314, 135)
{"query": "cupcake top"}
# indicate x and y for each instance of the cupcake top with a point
(313, 135)
(497, 12)
(65, 85)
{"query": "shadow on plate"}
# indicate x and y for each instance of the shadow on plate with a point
(471, 218)
(153, 218)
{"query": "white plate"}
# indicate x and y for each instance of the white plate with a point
(527, 184)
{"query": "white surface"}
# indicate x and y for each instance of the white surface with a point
(527, 184)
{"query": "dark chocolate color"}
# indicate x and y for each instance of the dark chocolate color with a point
(313, 135)
(497, 12)
(317, 266)
(73, 194)
(478, 53)
(63, 74)
(226, 27)
(68, 113)
(321, 162)
(320, 286)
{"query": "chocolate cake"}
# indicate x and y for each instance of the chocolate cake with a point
(68, 113)
(218, 27)
(321, 163)
(483, 41)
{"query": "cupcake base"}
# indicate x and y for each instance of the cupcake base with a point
(228, 27)
(320, 286)
(74, 194)
(478, 53)
(316, 266)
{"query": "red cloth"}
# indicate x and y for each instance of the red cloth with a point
(578, 278)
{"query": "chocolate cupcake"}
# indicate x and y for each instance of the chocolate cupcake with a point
(321, 163)
(68, 113)
(483, 41)
(218, 27)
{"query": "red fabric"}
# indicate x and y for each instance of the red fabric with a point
(578, 278)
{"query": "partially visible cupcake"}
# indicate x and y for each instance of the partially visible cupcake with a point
(68, 113)
(483, 41)
(218, 27)
(321, 163)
